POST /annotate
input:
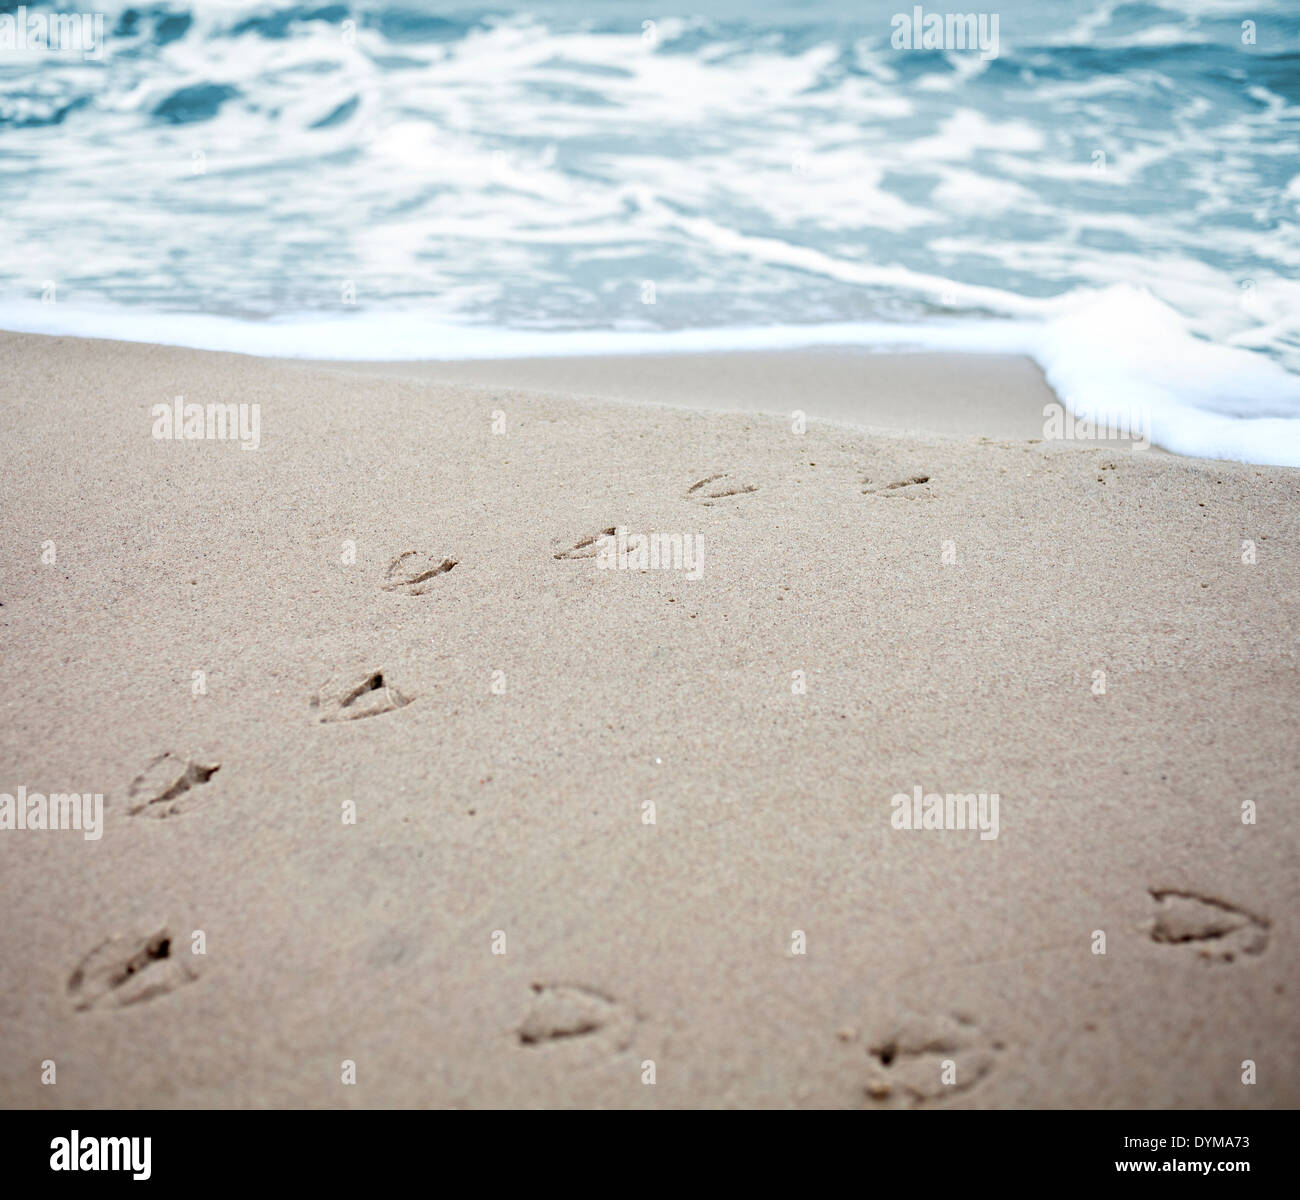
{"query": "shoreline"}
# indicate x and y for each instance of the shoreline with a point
(944, 393)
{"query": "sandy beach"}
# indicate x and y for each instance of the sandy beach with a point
(955, 395)
(451, 799)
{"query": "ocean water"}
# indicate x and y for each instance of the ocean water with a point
(1115, 191)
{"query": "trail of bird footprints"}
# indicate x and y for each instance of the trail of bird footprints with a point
(1216, 930)
(925, 1060)
(706, 491)
(562, 1013)
(166, 787)
(920, 1062)
(129, 970)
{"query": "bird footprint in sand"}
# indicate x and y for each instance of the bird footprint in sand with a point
(909, 487)
(411, 571)
(715, 487)
(569, 1012)
(349, 698)
(1218, 931)
(928, 1059)
(586, 547)
(165, 787)
(129, 970)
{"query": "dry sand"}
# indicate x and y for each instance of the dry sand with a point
(519, 814)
